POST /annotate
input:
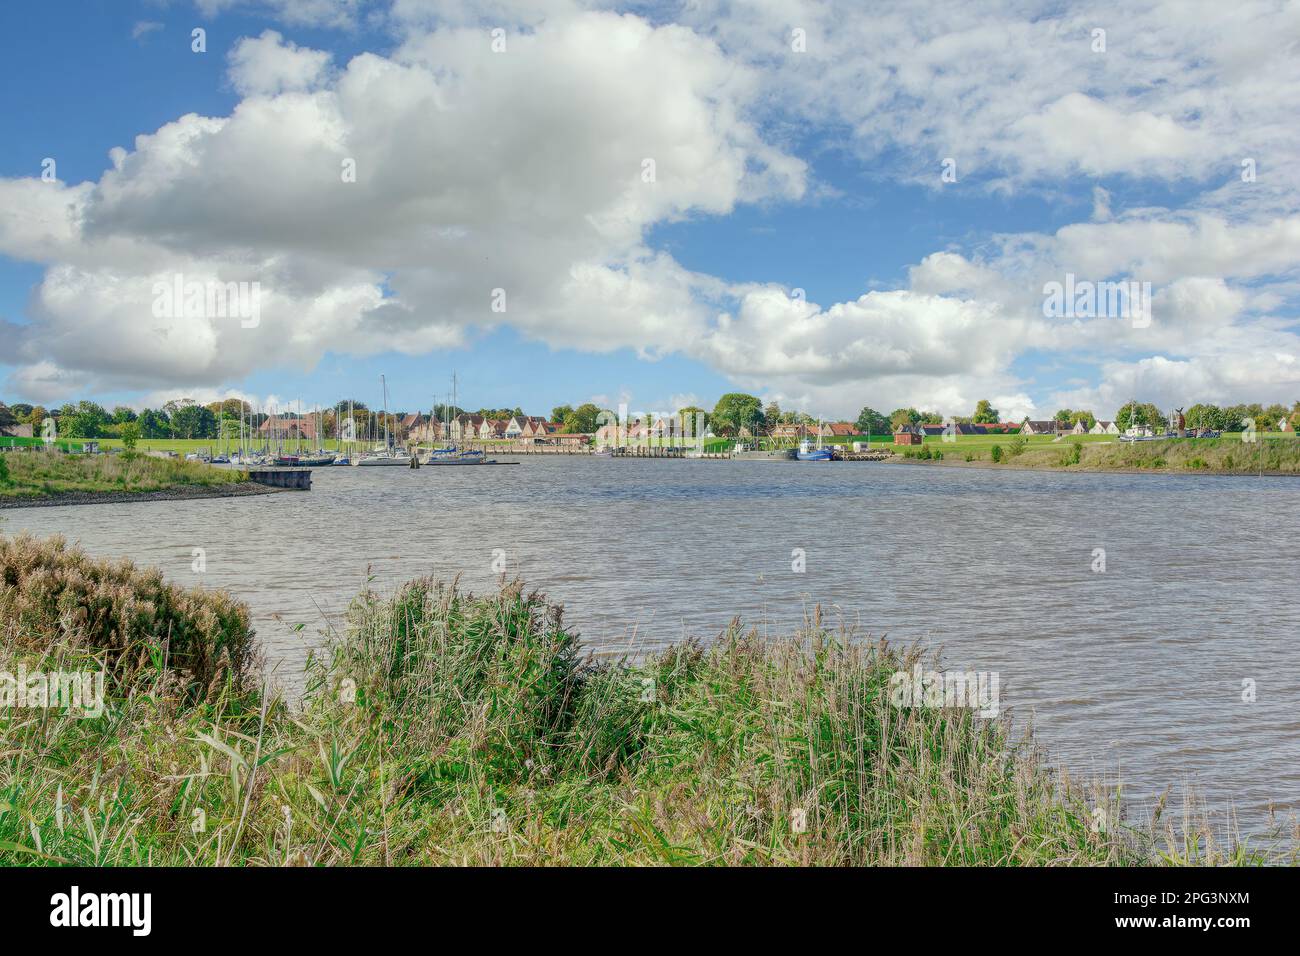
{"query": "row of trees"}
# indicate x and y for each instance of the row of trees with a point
(734, 411)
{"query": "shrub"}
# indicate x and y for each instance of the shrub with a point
(54, 594)
(4, 471)
(1076, 452)
(996, 453)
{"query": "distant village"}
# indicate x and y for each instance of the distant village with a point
(737, 416)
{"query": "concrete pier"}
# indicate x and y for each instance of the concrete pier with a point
(298, 479)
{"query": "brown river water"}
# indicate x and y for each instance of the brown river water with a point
(1132, 673)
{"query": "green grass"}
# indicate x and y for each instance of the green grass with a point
(1277, 453)
(38, 474)
(442, 728)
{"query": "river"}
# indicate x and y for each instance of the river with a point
(1133, 672)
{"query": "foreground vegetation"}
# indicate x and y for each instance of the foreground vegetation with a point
(1272, 455)
(38, 474)
(444, 728)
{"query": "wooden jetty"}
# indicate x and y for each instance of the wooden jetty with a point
(298, 479)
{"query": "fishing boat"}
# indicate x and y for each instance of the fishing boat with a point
(604, 451)
(808, 453)
(746, 452)
(342, 460)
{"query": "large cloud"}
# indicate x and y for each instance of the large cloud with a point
(523, 170)
(535, 170)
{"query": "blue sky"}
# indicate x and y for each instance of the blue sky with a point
(817, 172)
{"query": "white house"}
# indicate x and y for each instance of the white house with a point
(1104, 428)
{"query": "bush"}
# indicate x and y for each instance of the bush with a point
(54, 594)
(4, 470)
(996, 453)
(1076, 452)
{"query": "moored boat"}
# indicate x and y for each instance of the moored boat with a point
(808, 453)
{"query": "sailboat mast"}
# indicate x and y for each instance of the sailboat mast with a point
(384, 386)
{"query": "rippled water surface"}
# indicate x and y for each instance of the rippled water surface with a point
(1135, 672)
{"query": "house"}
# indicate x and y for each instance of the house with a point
(1039, 428)
(547, 431)
(788, 430)
(492, 428)
(466, 427)
(17, 431)
(1079, 428)
(909, 435)
(425, 429)
(931, 430)
(968, 428)
(1284, 425)
(524, 426)
(409, 426)
(1104, 428)
(839, 430)
(289, 427)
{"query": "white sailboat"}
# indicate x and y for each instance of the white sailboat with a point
(389, 455)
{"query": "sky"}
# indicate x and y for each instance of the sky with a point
(828, 204)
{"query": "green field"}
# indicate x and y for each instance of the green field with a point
(1276, 452)
(41, 474)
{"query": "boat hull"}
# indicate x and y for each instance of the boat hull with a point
(780, 454)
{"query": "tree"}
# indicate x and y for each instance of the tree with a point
(985, 413)
(154, 424)
(772, 412)
(691, 421)
(1063, 415)
(871, 422)
(37, 417)
(123, 414)
(1083, 415)
(1136, 414)
(737, 410)
(1205, 416)
(903, 416)
(130, 435)
(23, 412)
(7, 416)
(189, 420)
(582, 420)
(83, 420)
(560, 412)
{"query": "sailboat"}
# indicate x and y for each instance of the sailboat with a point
(390, 455)
(450, 456)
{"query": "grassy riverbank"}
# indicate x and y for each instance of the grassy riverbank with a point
(444, 728)
(1178, 456)
(41, 474)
